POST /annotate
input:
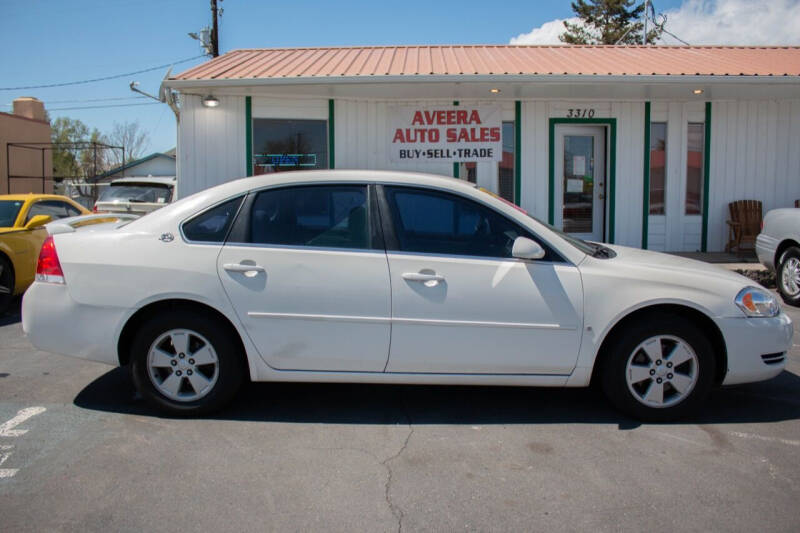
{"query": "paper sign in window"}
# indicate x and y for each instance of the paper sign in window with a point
(578, 165)
(574, 185)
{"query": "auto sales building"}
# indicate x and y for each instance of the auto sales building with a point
(640, 146)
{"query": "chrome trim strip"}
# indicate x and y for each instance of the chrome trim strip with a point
(411, 321)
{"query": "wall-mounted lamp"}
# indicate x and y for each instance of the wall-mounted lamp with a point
(210, 101)
(698, 91)
(494, 90)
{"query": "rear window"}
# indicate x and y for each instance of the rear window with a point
(9, 209)
(145, 193)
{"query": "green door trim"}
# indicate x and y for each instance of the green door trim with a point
(612, 166)
(248, 134)
(646, 177)
(518, 152)
(456, 164)
(331, 143)
(706, 178)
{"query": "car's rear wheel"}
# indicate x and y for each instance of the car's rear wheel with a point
(185, 364)
(788, 276)
(658, 369)
(6, 284)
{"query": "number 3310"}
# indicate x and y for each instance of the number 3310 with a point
(580, 112)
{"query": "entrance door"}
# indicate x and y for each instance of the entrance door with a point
(580, 180)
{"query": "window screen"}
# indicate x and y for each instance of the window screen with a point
(435, 222)
(212, 225)
(332, 216)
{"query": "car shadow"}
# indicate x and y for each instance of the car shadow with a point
(770, 401)
(13, 314)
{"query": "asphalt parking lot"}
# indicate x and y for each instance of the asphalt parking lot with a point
(79, 451)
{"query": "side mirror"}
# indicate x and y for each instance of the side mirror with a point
(525, 248)
(38, 220)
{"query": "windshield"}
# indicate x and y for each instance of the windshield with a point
(580, 244)
(9, 209)
(131, 192)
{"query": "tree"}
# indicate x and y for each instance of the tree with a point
(131, 137)
(66, 159)
(608, 22)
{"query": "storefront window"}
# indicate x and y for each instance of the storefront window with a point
(505, 168)
(505, 171)
(287, 144)
(694, 169)
(658, 167)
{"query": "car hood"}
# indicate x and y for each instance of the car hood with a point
(687, 269)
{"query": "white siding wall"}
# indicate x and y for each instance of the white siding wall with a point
(755, 155)
(211, 143)
(536, 117)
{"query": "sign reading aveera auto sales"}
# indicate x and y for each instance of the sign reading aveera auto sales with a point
(445, 133)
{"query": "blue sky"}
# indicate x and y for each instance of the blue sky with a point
(48, 41)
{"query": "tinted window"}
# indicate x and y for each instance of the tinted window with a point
(441, 223)
(212, 225)
(52, 208)
(329, 216)
(9, 209)
(289, 144)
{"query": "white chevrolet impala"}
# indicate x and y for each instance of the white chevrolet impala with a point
(388, 277)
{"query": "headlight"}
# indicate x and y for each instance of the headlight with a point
(755, 302)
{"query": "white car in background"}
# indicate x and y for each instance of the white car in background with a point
(138, 196)
(390, 277)
(778, 248)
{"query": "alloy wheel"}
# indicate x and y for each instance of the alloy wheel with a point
(662, 371)
(790, 276)
(182, 365)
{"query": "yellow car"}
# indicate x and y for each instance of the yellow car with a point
(22, 232)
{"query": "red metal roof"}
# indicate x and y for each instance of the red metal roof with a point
(377, 61)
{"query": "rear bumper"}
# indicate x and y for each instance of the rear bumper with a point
(747, 339)
(765, 250)
(54, 322)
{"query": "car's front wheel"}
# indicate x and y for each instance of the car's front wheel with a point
(185, 363)
(788, 276)
(658, 369)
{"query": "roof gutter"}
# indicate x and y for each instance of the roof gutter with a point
(589, 79)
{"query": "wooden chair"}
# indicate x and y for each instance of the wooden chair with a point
(744, 224)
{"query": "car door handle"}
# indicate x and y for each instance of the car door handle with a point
(239, 267)
(419, 276)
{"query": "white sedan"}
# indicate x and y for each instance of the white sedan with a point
(388, 277)
(778, 248)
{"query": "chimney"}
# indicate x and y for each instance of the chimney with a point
(29, 107)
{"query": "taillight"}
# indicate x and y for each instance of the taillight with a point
(48, 268)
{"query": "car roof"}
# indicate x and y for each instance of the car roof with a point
(155, 180)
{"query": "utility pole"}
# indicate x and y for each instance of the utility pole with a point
(214, 30)
(644, 35)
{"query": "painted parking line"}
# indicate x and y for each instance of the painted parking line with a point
(7, 428)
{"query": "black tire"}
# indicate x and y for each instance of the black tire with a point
(230, 370)
(6, 281)
(614, 379)
(790, 253)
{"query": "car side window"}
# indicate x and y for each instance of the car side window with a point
(332, 216)
(53, 208)
(212, 225)
(429, 221)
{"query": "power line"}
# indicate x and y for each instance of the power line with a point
(102, 106)
(116, 76)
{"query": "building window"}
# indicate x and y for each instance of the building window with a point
(658, 167)
(694, 168)
(505, 170)
(288, 144)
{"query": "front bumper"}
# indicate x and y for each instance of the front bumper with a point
(747, 339)
(54, 322)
